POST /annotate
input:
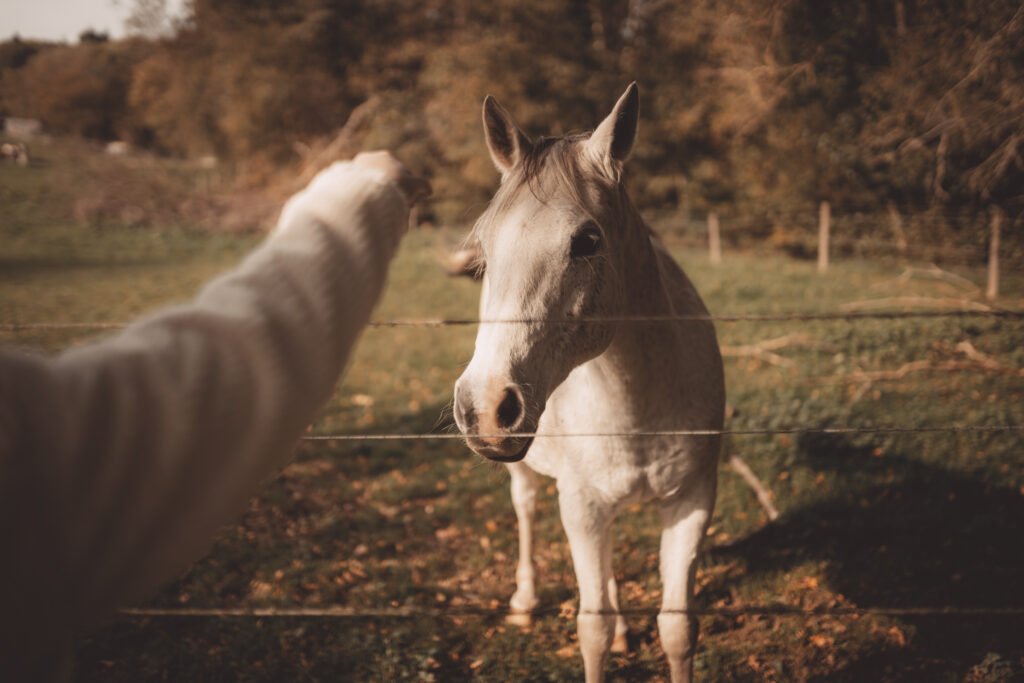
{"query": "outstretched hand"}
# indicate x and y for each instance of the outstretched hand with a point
(412, 186)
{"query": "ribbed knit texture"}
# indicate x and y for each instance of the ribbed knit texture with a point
(121, 459)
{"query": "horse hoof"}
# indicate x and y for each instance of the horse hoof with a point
(619, 645)
(520, 619)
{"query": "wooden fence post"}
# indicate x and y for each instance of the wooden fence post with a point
(992, 291)
(824, 218)
(896, 222)
(714, 238)
(414, 217)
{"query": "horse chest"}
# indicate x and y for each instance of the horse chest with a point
(615, 468)
(615, 471)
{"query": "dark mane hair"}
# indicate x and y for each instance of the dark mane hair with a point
(563, 150)
(549, 165)
(556, 166)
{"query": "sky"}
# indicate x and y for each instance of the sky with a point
(64, 20)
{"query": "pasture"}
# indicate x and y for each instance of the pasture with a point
(869, 521)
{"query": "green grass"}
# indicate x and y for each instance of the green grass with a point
(868, 520)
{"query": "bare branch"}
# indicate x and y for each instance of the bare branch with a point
(932, 272)
(977, 362)
(764, 350)
(919, 301)
(764, 496)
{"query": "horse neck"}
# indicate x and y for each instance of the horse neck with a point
(643, 290)
(644, 294)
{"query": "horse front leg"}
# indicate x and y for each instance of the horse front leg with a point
(684, 522)
(525, 484)
(587, 526)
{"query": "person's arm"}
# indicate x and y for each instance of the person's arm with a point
(120, 460)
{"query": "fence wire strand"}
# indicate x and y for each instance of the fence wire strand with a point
(341, 612)
(723, 318)
(764, 317)
(675, 432)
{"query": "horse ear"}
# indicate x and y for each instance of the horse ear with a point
(612, 142)
(506, 142)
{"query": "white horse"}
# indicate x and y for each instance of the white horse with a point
(563, 246)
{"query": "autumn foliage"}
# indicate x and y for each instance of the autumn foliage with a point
(756, 110)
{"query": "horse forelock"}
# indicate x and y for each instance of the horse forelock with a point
(554, 167)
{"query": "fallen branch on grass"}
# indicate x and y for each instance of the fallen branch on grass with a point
(765, 350)
(921, 301)
(932, 272)
(764, 496)
(977, 362)
(967, 348)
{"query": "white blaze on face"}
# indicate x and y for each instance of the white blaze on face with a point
(524, 266)
(522, 270)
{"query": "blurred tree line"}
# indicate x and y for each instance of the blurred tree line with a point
(755, 109)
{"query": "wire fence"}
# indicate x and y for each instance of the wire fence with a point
(951, 236)
(981, 311)
(411, 612)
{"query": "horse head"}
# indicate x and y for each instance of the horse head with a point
(553, 239)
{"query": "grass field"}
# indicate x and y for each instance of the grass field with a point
(871, 520)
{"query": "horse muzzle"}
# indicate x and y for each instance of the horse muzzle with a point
(511, 449)
(495, 422)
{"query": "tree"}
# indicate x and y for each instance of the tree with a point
(74, 89)
(149, 19)
(91, 36)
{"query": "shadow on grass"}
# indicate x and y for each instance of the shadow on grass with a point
(432, 419)
(281, 649)
(350, 523)
(898, 532)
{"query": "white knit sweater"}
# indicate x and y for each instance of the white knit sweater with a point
(120, 460)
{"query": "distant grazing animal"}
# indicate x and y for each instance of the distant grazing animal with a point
(17, 152)
(118, 148)
(563, 246)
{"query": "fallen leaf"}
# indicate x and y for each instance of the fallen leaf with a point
(259, 589)
(820, 640)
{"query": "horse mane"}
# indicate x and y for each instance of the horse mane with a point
(564, 156)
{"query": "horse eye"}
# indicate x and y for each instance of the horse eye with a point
(586, 242)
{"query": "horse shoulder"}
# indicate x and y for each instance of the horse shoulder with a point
(699, 357)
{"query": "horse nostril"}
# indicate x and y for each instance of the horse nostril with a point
(510, 409)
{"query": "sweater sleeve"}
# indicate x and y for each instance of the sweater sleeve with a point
(120, 460)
